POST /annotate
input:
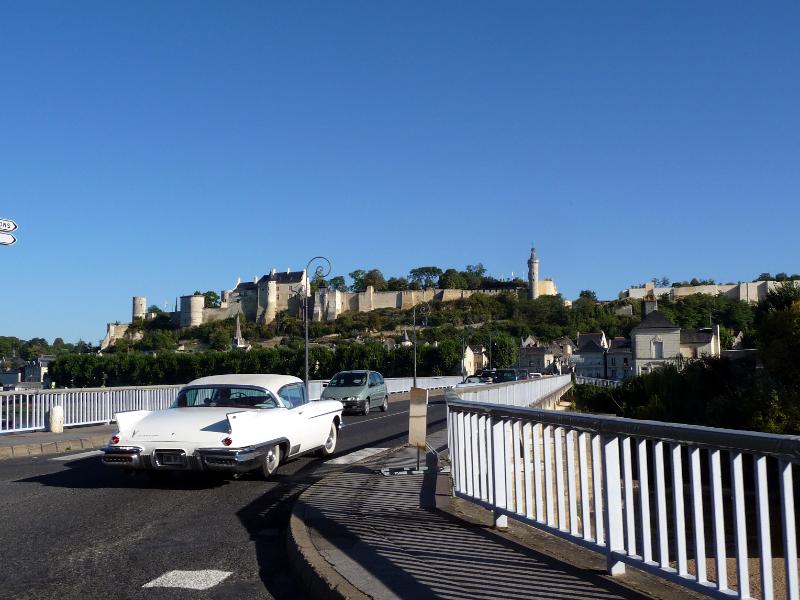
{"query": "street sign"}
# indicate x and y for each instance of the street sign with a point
(6, 239)
(7, 225)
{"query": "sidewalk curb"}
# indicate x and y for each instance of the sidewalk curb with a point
(316, 576)
(50, 448)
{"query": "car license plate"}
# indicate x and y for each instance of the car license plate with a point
(172, 459)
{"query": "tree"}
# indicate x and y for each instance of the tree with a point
(212, 299)
(337, 283)
(317, 282)
(452, 280)
(764, 277)
(375, 278)
(219, 340)
(397, 284)
(358, 280)
(781, 277)
(664, 282)
(154, 309)
(425, 277)
(588, 294)
(474, 276)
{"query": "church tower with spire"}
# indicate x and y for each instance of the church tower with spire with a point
(533, 275)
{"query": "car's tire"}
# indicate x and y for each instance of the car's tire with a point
(330, 444)
(385, 405)
(270, 461)
(365, 411)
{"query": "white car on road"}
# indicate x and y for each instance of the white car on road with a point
(229, 423)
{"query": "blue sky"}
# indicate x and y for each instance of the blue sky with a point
(156, 148)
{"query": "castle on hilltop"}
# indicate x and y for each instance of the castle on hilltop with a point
(261, 299)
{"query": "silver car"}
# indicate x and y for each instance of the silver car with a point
(359, 391)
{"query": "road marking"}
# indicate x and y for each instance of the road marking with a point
(402, 412)
(190, 580)
(78, 456)
(355, 456)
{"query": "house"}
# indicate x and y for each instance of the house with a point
(36, 369)
(657, 341)
(619, 359)
(539, 357)
(590, 361)
(474, 359)
(599, 338)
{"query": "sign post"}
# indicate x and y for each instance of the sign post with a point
(418, 420)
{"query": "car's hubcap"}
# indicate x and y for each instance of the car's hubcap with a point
(331, 441)
(272, 460)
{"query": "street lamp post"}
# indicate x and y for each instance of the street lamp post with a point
(321, 271)
(424, 309)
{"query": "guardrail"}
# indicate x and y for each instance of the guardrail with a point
(27, 410)
(604, 483)
(581, 380)
(515, 393)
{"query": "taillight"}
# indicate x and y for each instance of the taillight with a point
(227, 441)
(115, 439)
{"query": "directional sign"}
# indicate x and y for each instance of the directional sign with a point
(6, 239)
(7, 225)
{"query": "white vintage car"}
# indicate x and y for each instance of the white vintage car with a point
(229, 423)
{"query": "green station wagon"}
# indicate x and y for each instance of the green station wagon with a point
(358, 390)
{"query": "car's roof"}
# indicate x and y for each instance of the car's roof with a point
(357, 371)
(268, 381)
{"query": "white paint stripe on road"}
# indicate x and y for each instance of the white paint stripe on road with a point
(190, 580)
(78, 456)
(402, 412)
(355, 456)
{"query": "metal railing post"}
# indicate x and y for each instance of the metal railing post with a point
(615, 529)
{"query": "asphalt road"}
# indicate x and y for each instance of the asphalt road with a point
(76, 529)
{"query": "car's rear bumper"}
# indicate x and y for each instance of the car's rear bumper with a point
(204, 459)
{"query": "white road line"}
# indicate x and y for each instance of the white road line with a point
(78, 456)
(402, 412)
(190, 580)
(355, 456)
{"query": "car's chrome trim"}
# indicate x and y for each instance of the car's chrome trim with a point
(330, 412)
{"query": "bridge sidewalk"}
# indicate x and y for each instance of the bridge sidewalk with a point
(36, 443)
(361, 534)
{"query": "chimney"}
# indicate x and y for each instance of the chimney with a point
(272, 273)
(650, 304)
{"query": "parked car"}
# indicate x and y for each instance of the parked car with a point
(506, 375)
(358, 390)
(229, 423)
(488, 375)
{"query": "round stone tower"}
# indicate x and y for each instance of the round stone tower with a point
(139, 307)
(533, 275)
(192, 310)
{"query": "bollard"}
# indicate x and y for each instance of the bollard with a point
(57, 419)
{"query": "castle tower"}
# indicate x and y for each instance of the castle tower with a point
(272, 301)
(192, 310)
(533, 275)
(139, 307)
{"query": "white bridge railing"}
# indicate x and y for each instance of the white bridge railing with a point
(28, 410)
(516, 393)
(699, 506)
(581, 380)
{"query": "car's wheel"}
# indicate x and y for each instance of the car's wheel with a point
(366, 407)
(385, 405)
(271, 460)
(330, 443)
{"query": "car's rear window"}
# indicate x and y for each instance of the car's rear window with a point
(348, 380)
(228, 396)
